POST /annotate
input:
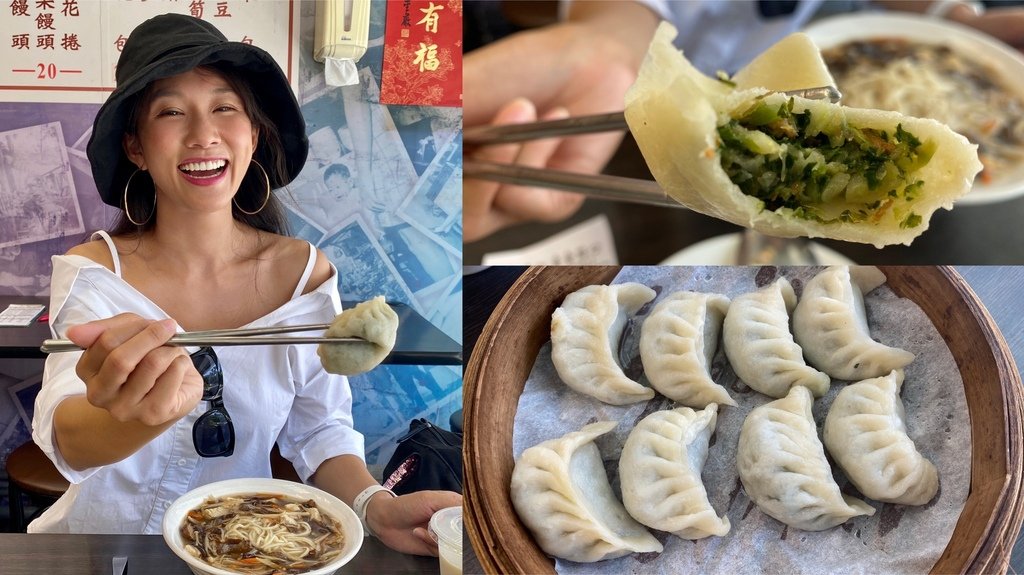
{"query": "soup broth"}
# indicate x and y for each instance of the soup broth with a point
(262, 533)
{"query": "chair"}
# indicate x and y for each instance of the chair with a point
(31, 473)
(281, 468)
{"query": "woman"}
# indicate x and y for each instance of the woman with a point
(189, 145)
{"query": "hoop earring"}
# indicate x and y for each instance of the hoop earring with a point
(265, 199)
(127, 212)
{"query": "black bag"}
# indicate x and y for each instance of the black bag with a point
(427, 457)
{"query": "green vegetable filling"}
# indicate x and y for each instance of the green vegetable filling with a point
(820, 167)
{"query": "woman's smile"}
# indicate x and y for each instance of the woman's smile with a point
(204, 172)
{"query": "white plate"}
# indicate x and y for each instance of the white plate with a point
(722, 251)
(830, 32)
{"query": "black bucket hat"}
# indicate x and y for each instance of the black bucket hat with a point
(173, 44)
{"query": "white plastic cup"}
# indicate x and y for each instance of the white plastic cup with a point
(446, 529)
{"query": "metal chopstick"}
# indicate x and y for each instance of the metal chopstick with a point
(603, 187)
(62, 345)
(255, 330)
(508, 133)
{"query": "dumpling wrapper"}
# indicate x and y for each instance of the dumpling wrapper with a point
(830, 324)
(560, 490)
(783, 468)
(373, 321)
(866, 433)
(673, 112)
(660, 469)
(760, 345)
(585, 334)
(678, 341)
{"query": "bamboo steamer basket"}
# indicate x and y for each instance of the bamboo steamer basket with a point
(507, 348)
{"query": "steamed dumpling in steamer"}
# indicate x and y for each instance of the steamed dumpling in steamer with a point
(830, 323)
(783, 468)
(585, 334)
(375, 322)
(678, 341)
(866, 433)
(760, 346)
(560, 490)
(660, 469)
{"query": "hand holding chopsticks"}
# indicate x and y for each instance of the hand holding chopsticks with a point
(489, 205)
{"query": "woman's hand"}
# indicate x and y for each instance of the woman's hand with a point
(130, 373)
(491, 206)
(576, 69)
(401, 522)
(1006, 24)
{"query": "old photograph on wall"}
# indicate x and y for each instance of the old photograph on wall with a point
(434, 206)
(364, 270)
(37, 191)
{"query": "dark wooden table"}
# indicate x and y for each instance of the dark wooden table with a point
(998, 287)
(22, 554)
(418, 341)
(23, 342)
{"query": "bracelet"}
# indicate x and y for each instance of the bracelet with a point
(941, 8)
(361, 502)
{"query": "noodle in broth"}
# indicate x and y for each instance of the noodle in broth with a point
(262, 534)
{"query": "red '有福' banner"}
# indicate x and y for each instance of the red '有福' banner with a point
(422, 53)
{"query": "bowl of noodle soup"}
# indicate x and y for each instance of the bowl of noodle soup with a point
(261, 526)
(935, 68)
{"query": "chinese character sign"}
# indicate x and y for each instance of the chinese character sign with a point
(67, 50)
(422, 53)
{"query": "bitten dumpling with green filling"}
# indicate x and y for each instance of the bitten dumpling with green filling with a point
(790, 166)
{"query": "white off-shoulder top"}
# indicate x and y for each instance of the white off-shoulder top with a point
(273, 394)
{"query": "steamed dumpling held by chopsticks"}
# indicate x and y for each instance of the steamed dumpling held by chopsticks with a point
(373, 321)
(744, 152)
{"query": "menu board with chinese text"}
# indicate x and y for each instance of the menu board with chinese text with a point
(67, 50)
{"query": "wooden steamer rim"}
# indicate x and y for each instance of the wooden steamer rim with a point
(506, 350)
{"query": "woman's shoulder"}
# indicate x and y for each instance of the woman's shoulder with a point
(95, 250)
(293, 252)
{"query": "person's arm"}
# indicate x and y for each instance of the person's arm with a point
(135, 389)
(1005, 23)
(953, 11)
(579, 67)
(631, 24)
(539, 64)
(399, 522)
